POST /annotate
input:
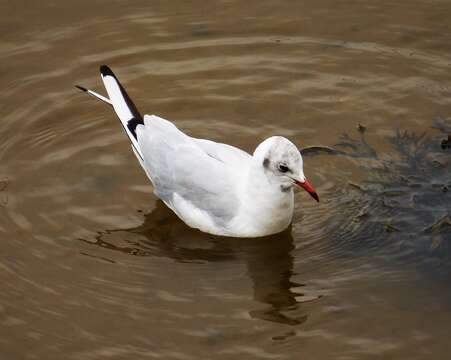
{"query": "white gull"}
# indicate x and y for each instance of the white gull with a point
(214, 187)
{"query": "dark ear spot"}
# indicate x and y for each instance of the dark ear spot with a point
(266, 163)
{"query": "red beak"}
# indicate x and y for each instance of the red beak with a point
(309, 188)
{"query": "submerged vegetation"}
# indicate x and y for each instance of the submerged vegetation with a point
(406, 194)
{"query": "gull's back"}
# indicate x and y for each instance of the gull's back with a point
(196, 178)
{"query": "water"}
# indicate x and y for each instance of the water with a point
(94, 267)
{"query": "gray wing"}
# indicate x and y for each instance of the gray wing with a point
(227, 154)
(176, 164)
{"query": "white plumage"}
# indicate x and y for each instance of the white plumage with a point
(214, 187)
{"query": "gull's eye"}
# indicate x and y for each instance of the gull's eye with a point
(283, 168)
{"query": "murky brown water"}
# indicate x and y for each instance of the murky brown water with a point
(92, 266)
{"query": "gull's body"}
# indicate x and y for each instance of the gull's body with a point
(214, 187)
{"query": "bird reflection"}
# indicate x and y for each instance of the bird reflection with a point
(270, 266)
(268, 260)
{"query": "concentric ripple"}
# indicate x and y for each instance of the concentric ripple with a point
(93, 266)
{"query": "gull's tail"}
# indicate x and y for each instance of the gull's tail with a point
(122, 104)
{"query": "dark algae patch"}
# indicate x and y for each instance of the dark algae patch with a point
(405, 193)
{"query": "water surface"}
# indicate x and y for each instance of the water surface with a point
(93, 266)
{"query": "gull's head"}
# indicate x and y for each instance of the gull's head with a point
(282, 164)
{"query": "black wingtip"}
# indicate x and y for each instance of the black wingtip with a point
(81, 88)
(105, 70)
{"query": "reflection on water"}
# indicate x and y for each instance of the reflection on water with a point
(268, 260)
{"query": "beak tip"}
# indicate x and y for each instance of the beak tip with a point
(315, 196)
(309, 188)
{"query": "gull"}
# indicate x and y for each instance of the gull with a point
(214, 187)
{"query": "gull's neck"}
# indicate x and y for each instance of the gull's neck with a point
(265, 209)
